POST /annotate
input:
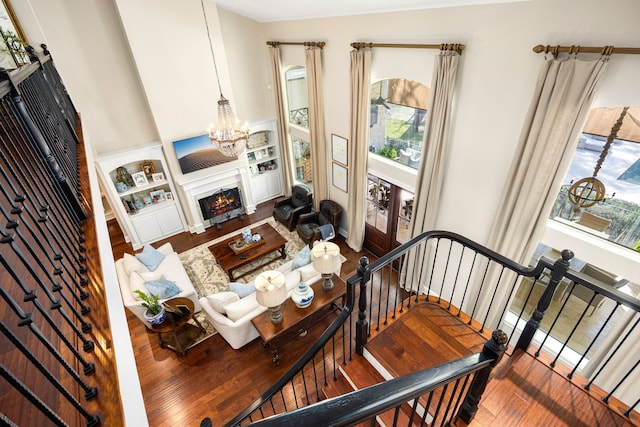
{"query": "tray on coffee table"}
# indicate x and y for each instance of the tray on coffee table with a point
(239, 246)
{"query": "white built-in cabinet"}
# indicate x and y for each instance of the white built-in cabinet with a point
(139, 188)
(263, 156)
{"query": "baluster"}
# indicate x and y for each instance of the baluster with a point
(362, 326)
(493, 349)
(558, 271)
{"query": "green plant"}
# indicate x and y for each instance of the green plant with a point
(388, 152)
(150, 302)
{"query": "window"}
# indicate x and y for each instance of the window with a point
(298, 106)
(616, 164)
(398, 109)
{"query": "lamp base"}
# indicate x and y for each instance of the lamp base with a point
(327, 282)
(276, 315)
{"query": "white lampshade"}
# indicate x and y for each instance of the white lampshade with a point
(326, 257)
(271, 290)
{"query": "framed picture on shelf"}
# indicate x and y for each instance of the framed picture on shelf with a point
(168, 195)
(339, 149)
(148, 168)
(158, 196)
(140, 179)
(339, 176)
(159, 176)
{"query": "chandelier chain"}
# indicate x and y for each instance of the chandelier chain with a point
(215, 65)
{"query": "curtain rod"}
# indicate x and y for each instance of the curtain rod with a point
(443, 46)
(307, 44)
(604, 50)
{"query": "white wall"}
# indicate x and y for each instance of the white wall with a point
(495, 80)
(169, 44)
(90, 51)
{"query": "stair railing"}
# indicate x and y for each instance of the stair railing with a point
(473, 283)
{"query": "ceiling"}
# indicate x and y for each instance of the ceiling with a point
(285, 10)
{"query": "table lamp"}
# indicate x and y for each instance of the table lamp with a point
(326, 260)
(271, 292)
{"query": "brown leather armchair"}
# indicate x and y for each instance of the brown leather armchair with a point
(289, 209)
(330, 213)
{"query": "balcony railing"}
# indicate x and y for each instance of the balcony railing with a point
(57, 355)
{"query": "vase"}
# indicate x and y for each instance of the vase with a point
(302, 295)
(155, 319)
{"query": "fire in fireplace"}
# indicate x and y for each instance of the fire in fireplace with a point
(222, 206)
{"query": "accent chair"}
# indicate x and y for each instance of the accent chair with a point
(287, 210)
(308, 227)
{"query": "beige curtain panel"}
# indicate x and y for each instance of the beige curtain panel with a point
(315, 87)
(357, 177)
(434, 144)
(283, 119)
(560, 105)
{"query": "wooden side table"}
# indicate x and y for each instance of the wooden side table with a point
(176, 333)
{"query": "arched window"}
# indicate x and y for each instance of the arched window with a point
(398, 109)
(298, 106)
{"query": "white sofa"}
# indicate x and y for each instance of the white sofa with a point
(233, 321)
(132, 274)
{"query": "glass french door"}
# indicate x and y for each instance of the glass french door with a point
(389, 210)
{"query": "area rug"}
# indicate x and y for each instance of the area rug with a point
(209, 278)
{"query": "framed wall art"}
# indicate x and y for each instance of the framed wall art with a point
(148, 168)
(339, 149)
(139, 179)
(339, 176)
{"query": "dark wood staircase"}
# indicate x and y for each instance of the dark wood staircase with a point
(523, 390)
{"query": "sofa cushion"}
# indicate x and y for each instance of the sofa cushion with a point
(242, 289)
(220, 300)
(137, 280)
(150, 257)
(292, 279)
(307, 272)
(302, 258)
(162, 287)
(238, 309)
(131, 264)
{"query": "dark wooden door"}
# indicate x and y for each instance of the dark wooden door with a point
(388, 216)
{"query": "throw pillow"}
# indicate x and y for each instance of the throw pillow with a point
(221, 299)
(150, 257)
(137, 280)
(242, 289)
(163, 288)
(303, 258)
(131, 264)
(166, 249)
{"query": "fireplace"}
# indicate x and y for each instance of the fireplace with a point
(222, 206)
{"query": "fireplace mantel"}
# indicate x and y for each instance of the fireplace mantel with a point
(206, 182)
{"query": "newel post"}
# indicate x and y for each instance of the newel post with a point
(493, 349)
(558, 271)
(362, 326)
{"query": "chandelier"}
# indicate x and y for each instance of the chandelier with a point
(227, 136)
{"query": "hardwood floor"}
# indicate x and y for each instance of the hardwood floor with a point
(212, 379)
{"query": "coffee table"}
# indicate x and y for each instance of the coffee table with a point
(230, 261)
(296, 321)
(176, 333)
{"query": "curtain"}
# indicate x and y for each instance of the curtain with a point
(315, 87)
(357, 174)
(562, 99)
(282, 122)
(434, 143)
